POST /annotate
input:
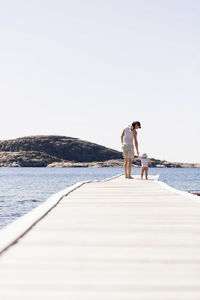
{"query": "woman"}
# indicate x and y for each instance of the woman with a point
(128, 135)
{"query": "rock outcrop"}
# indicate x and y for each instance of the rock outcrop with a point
(40, 151)
(26, 159)
(107, 163)
(195, 193)
(61, 151)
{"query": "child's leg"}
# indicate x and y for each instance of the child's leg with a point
(142, 172)
(126, 167)
(146, 172)
(129, 167)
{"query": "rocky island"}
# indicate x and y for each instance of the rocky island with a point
(62, 151)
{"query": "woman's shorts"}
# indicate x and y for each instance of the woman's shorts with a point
(128, 151)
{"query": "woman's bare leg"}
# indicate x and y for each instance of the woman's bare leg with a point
(126, 167)
(129, 168)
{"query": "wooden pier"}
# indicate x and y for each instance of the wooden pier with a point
(121, 239)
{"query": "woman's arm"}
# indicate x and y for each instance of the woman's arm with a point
(135, 140)
(122, 136)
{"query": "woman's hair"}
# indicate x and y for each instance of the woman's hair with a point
(136, 123)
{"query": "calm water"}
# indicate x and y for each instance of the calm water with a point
(22, 189)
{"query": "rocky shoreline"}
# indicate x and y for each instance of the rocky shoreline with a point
(64, 152)
(39, 159)
(120, 163)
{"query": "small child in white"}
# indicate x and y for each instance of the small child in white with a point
(145, 163)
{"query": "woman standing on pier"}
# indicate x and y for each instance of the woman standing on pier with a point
(128, 135)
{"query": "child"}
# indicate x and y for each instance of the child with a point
(144, 161)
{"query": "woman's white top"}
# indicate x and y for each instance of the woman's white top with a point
(128, 136)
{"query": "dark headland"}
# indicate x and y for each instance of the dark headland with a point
(62, 151)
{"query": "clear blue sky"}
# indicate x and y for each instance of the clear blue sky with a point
(88, 68)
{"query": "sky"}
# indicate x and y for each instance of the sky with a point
(88, 68)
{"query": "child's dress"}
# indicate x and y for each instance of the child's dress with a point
(144, 162)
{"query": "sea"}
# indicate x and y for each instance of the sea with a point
(22, 189)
